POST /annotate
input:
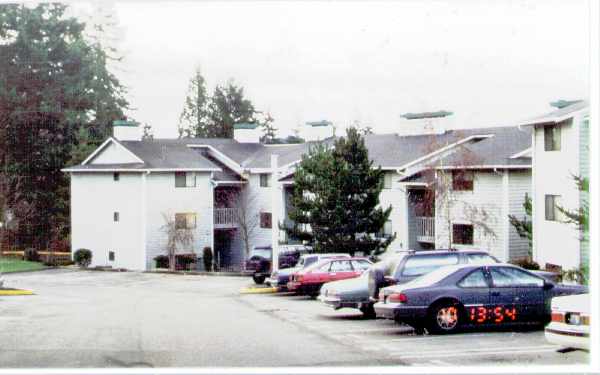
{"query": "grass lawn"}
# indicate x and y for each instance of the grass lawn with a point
(15, 265)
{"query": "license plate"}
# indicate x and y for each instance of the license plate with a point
(574, 319)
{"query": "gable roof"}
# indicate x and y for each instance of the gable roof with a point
(493, 146)
(558, 115)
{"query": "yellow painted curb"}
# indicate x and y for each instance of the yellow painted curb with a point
(258, 290)
(15, 292)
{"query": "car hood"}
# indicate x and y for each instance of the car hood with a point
(575, 303)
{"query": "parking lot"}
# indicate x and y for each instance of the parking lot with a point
(108, 319)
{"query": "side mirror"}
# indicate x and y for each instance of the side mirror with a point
(548, 285)
(388, 280)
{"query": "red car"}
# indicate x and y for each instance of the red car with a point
(309, 280)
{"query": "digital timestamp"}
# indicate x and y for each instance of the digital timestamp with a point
(497, 314)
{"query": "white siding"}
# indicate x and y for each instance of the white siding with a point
(94, 199)
(114, 153)
(486, 197)
(519, 185)
(395, 197)
(556, 242)
(163, 197)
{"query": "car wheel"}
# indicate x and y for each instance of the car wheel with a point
(368, 311)
(445, 318)
(258, 279)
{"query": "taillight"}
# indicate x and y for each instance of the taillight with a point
(397, 298)
(558, 317)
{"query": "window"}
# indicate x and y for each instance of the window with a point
(115, 216)
(387, 180)
(265, 220)
(185, 179)
(325, 267)
(185, 221)
(116, 176)
(360, 265)
(552, 138)
(111, 256)
(422, 264)
(552, 204)
(462, 234)
(340, 266)
(513, 277)
(475, 279)
(264, 180)
(462, 180)
(386, 231)
(480, 259)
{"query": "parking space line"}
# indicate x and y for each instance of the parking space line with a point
(478, 352)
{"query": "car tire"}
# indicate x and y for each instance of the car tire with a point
(258, 279)
(445, 317)
(368, 311)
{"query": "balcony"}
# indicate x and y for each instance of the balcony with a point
(425, 229)
(225, 218)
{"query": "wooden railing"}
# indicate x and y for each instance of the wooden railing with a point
(225, 218)
(425, 229)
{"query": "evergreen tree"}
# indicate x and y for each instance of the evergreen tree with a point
(524, 227)
(193, 121)
(336, 199)
(56, 99)
(269, 130)
(227, 107)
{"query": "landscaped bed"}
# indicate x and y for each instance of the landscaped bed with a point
(8, 265)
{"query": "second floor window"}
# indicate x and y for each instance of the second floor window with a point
(387, 180)
(552, 202)
(116, 176)
(265, 220)
(462, 180)
(115, 216)
(462, 234)
(185, 179)
(264, 180)
(185, 221)
(552, 138)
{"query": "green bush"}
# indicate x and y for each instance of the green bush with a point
(184, 261)
(526, 263)
(207, 257)
(82, 257)
(31, 255)
(162, 261)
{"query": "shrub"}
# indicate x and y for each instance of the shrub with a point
(207, 257)
(31, 255)
(184, 261)
(162, 261)
(82, 257)
(526, 263)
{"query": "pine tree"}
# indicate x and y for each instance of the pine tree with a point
(193, 121)
(227, 107)
(336, 199)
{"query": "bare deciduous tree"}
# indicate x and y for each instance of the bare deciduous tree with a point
(175, 236)
(440, 174)
(246, 214)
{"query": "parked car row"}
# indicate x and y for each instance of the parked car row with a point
(442, 291)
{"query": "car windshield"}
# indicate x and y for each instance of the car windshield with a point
(263, 253)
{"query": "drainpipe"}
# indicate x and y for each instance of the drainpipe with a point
(275, 202)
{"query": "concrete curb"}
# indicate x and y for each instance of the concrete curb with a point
(27, 271)
(15, 292)
(258, 290)
(199, 273)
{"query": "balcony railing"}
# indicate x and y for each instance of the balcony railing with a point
(225, 218)
(425, 229)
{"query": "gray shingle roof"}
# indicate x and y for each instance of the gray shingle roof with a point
(386, 150)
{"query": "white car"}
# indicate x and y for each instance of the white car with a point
(570, 323)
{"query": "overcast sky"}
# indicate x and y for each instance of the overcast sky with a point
(490, 62)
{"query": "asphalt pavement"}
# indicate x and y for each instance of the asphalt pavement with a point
(109, 319)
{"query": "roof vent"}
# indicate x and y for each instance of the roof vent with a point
(424, 123)
(317, 130)
(125, 130)
(247, 132)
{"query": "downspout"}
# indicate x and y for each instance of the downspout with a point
(144, 219)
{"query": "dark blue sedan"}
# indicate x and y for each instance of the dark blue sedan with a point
(452, 297)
